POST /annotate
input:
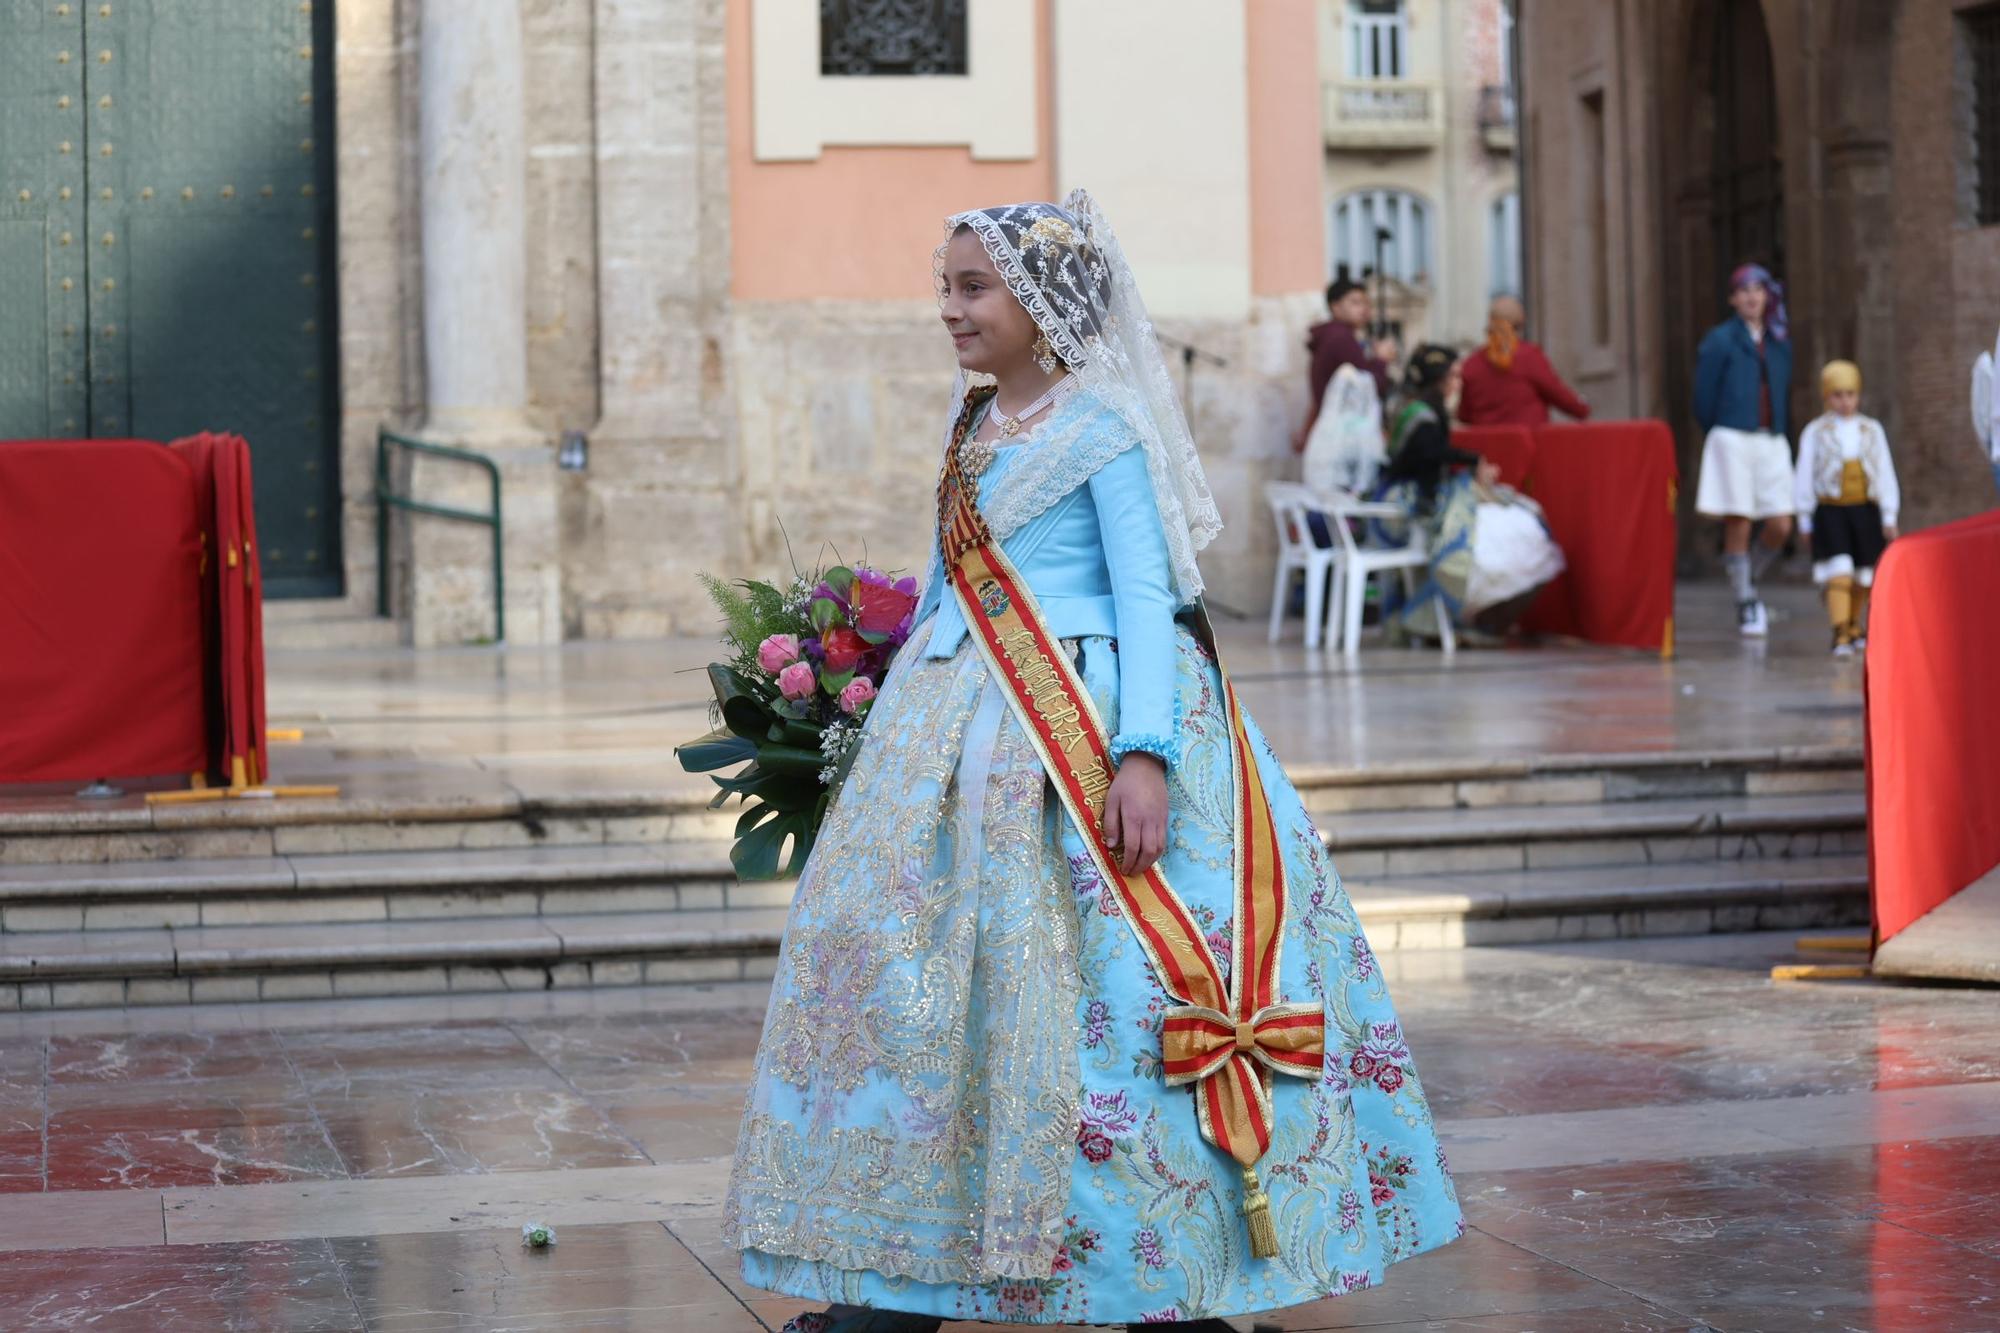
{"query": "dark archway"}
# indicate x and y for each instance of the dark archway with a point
(1746, 197)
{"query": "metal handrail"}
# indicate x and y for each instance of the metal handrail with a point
(386, 499)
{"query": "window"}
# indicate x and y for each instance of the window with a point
(1405, 250)
(1503, 246)
(1979, 32)
(863, 37)
(1377, 36)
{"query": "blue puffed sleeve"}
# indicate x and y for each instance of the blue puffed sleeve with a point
(1142, 586)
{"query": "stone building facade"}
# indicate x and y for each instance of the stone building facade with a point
(1835, 140)
(1419, 116)
(664, 226)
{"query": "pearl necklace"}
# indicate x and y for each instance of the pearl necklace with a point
(977, 455)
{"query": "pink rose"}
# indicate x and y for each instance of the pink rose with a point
(857, 694)
(778, 652)
(797, 681)
(1096, 1148)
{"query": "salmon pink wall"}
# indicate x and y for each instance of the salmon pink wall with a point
(859, 224)
(1287, 241)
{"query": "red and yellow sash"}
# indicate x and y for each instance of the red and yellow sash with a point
(1230, 1033)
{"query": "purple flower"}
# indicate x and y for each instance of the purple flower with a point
(1148, 1249)
(1364, 959)
(1170, 1315)
(1096, 1024)
(1109, 1114)
(1353, 1281)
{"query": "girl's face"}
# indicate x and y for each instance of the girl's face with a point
(1844, 402)
(1749, 301)
(991, 331)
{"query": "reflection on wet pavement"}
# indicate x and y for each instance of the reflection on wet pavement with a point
(1651, 1135)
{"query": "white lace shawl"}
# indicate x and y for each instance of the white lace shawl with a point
(1065, 266)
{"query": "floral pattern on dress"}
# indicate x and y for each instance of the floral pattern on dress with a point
(1152, 1230)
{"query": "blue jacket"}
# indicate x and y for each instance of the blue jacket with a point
(1727, 377)
(1097, 563)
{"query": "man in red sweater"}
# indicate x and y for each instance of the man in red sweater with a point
(1509, 382)
(1338, 342)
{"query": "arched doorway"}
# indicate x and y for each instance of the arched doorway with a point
(1746, 198)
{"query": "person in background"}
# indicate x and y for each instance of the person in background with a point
(1420, 447)
(1848, 499)
(1338, 342)
(1509, 381)
(1742, 377)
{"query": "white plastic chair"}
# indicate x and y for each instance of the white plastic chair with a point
(1357, 562)
(1290, 504)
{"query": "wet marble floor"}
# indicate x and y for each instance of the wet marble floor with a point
(603, 718)
(1648, 1135)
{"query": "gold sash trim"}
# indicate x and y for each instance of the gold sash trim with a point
(1230, 1032)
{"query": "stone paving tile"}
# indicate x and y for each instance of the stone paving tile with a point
(390, 1132)
(627, 1276)
(134, 1058)
(442, 1057)
(84, 1156)
(1712, 1240)
(269, 1285)
(627, 1053)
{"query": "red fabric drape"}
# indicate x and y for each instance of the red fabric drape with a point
(1510, 447)
(101, 652)
(1933, 719)
(1607, 489)
(234, 606)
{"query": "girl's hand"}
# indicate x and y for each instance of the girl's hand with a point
(1135, 812)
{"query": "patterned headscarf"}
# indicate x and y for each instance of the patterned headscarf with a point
(1064, 265)
(1774, 308)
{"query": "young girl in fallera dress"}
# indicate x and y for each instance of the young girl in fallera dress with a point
(1073, 1022)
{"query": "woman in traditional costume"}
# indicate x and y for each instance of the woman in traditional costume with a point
(1073, 1021)
(1490, 549)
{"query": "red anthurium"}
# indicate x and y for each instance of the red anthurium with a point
(843, 648)
(879, 608)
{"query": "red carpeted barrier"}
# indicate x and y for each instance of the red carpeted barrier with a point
(1607, 489)
(130, 612)
(1933, 719)
(1511, 447)
(101, 651)
(233, 614)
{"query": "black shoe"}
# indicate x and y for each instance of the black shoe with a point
(857, 1319)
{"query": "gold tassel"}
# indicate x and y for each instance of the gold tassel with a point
(1257, 1215)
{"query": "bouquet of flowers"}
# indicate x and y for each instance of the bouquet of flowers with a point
(805, 663)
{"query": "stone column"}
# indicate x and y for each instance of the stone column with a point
(474, 201)
(659, 502)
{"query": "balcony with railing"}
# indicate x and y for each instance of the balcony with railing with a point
(1496, 117)
(1383, 114)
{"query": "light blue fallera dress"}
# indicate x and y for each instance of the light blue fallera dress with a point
(957, 1107)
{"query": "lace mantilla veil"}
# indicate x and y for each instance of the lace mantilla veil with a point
(1065, 266)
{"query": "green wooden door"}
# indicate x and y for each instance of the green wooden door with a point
(166, 261)
(43, 366)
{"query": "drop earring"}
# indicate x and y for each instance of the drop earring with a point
(1045, 354)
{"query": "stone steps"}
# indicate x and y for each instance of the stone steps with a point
(394, 894)
(1347, 802)
(681, 874)
(326, 624)
(183, 964)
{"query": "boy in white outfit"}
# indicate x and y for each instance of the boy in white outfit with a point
(1847, 499)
